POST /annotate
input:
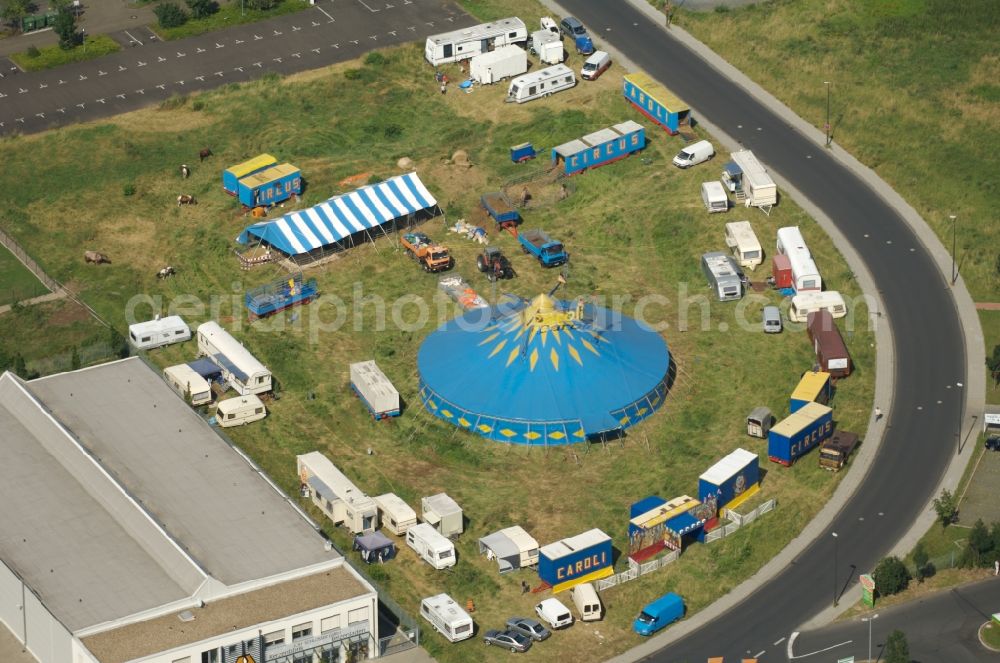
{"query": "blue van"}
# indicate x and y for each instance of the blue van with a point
(660, 613)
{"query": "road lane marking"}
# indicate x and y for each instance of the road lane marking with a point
(219, 73)
(200, 78)
(315, 24)
(791, 643)
(759, 654)
(140, 91)
(131, 37)
(257, 64)
(62, 110)
(277, 34)
(100, 101)
(373, 37)
(140, 63)
(21, 120)
(122, 67)
(335, 45)
(41, 115)
(120, 96)
(62, 82)
(367, 7)
(82, 77)
(238, 41)
(81, 105)
(22, 90)
(315, 50)
(162, 86)
(354, 41)
(779, 641)
(180, 55)
(179, 82)
(278, 60)
(295, 28)
(218, 45)
(393, 33)
(820, 651)
(296, 55)
(239, 69)
(257, 37)
(161, 59)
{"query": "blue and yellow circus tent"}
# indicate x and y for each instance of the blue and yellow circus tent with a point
(544, 372)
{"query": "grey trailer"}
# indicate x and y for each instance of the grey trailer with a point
(723, 275)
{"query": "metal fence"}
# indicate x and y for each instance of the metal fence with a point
(738, 520)
(28, 262)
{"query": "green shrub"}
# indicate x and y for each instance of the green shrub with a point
(198, 105)
(946, 507)
(353, 74)
(170, 15)
(202, 8)
(375, 59)
(128, 189)
(891, 576)
(33, 51)
(896, 648)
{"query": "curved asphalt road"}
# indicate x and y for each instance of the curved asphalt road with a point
(929, 349)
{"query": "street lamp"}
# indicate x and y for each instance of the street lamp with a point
(954, 225)
(959, 433)
(870, 620)
(827, 84)
(835, 584)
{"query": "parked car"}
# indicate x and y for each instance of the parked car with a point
(659, 614)
(529, 627)
(573, 28)
(772, 320)
(554, 613)
(596, 65)
(993, 443)
(512, 640)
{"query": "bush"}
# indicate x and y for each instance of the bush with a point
(375, 59)
(198, 105)
(202, 8)
(262, 5)
(891, 576)
(946, 507)
(353, 74)
(128, 190)
(896, 648)
(170, 15)
(33, 51)
(921, 561)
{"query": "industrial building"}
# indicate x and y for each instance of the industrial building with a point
(132, 531)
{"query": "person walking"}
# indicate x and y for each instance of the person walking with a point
(996, 568)
(878, 414)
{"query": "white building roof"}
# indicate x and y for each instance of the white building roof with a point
(118, 498)
(728, 466)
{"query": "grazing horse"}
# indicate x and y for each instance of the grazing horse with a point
(165, 272)
(185, 199)
(95, 257)
(185, 171)
(204, 154)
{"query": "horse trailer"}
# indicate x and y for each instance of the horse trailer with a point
(240, 369)
(467, 42)
(540, 83)
(158, 332)
(723, 275)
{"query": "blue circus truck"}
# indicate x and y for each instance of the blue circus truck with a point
(270, 186)
(582, 558)
(656, 102)
(549, 252)
(274, 297)
(600, 148)
(798, 433)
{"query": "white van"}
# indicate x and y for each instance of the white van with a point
(587, 603)
(694, 154)
(447, 617)
(554, 613)
(431, 546)
(598, 63)
(188, 384)
(239, 411)
(540, 83)
(713, 195)
(805, 303)
(158, 332)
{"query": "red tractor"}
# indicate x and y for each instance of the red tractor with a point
(495, 264)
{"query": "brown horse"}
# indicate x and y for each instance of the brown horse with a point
(95, 257)
(204, 154)
(185, 199)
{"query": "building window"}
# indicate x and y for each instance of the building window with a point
(328, 624)
(301, 631)
(275, 638)
(356, 616)
(210, 656)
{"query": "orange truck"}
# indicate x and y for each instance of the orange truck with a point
(433, 257)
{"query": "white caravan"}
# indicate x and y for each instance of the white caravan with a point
(760, 189)
(541, 83)
(396, 515)
(158, 332)
(468, 42)
(188, 384)
(433, 548)
(488, 68)
(447, 617)
(809, 302)
(548, 46)
(713, 195)
(805, 274)
(240, 411)
(742, 240)
(239, 368)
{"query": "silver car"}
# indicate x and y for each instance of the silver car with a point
(529, 627)
(511, 640)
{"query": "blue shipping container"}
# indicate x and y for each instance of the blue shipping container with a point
(270, 187)
(730, 481)
(795, 435)
(600, 148)
(581, 558)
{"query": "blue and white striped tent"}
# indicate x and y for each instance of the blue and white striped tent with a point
(339, 218)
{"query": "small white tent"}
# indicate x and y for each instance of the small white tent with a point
(512, 547)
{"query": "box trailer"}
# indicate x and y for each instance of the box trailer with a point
(443, 513)
(548, 46)
(731, 481)
(240, 369)
(158, 332)
(656, 102)
(742, 241)
(374, 389)
(723, 275)
(540, 83)
(831, 351)
(188, 384)
(753, 181)
(805, 274)
(781, 272)
(239, 411)
(714, 198)
(505, 62)
(270, 186)
(396, 515)
(447, 617)
(600, 148)
(795, 435)
(335, 494)
(814, 387)
(430, 546)
(232, 175)
(577, 559)
(468, 42)
(759, 422)
(805, 303)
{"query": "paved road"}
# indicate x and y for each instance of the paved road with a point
(942, 628)
(143, 75)
(922, 422)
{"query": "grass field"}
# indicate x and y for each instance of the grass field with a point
(634, 228)
(16, 282)
(53, 56)
(914, 96)
(230, 13)
(990, 320)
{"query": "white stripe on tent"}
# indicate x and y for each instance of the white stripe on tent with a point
(391, 197)
(340, 229)
(303, 227)
(348, 214)
(419, 186)
(366, 211)
(282, 225)
(368, 193)
(416, 204)
(322, 225)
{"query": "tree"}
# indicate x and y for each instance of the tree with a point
(993, 363)
(262, 5)
(896, 648)
(920, 559)
(202, 8)
(979, 546)
(65, 27)
(20, 367)
(170, 15)
(74, 359)
(995, 536)
(946, 507)
(15, 10)
(891, 576)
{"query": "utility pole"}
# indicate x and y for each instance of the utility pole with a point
(870, 620)
(827, 84)
(954, 246)
(835, 583)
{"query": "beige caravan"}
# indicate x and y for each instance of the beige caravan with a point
(805, 303)
(239, 411)
(188, 384)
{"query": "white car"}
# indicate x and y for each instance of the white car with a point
(554, 613)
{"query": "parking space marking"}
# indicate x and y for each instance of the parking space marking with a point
(140, 91)
(200, 78)
(132, 38)
(367, 7)
(42, 86)
(181, 55)
(140, 63)
(101, 73)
